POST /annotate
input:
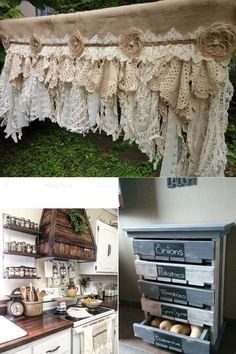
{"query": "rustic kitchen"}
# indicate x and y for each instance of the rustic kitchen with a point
(58, 281)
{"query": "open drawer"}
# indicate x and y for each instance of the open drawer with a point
(173, 341)
(179, 313)
(178, 294)
(191, 274)
(174, 250)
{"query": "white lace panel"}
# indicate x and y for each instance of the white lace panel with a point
(171, 99)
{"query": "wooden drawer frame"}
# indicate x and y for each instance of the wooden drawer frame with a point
(179, 313)
(177, 294)
(175, 250)
(191, 274)
(173, 341)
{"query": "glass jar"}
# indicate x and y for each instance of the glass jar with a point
(7, 246)
(27, 223)
(22, 222)
(18, 222)
(19, 247)
(23, 247)
(34, 249)
(6, 274)
(31, 274)
(11, 272)
(34, 272)
(36, 226)
(13, 246)
(32, 224)
(13, 220)
(17, 271)
(26, 272)
(8, 220)
(29, 248)
(22, 271)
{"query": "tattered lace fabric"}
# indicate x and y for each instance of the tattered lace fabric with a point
(169, 93)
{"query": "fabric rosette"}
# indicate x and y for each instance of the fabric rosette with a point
(35, 44)
(132, 42)
(76, 44)
(5, 40)
(217, 41)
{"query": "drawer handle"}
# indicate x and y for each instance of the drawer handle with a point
(108, 250)
(53, 350)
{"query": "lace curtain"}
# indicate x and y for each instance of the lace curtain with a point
(169, 93)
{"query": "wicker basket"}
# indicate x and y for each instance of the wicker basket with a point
(33, 308)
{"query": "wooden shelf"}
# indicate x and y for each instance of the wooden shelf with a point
(22, 229)
(23, 254)
(21, 278)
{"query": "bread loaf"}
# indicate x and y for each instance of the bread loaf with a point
(196, 331)
(182, 329)
(156, 322)
(166, 324)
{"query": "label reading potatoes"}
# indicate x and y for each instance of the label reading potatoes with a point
(165, 249)
(171, 272)
(174, 312)
(175, 294)
(167, 341)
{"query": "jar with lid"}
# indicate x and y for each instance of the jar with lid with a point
(22, 222)
(31, 272)
(6, 273)
(18, 222)
(23, 247)
(7, 247)
(8, 219)
(22, 271)
(17, 271)
(13, 220)
(34, 249)
(32, 224)
(36, 226)
(11, 272)
(26, 272)
(27, 223)
(13, 246)
(19, 247)
(29, 248)
(34, 272)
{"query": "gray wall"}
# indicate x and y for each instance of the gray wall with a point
(149, 201)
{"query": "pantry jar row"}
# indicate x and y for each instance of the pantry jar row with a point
(13, 220)
(22, 271)
(20, 247)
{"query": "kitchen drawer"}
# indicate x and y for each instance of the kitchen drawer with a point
(59, 344)
(174, 250)
(179, 313)
(177, 294)
(198, 275)
(173, 341)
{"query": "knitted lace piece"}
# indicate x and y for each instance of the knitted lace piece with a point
(86, 92)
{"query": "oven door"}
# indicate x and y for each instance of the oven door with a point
(95, 337)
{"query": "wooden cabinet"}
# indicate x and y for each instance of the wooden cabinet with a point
(58, 343)
(106, 238)
(181, 278)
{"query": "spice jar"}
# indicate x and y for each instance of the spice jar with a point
(11, 272)
(29, 248)
(8, 219)
(22, 222)
(17, 271)
(32, 224)
(34, 249)
(31, 272)
(27, 223)
(34, 272)
(6, 274)
(13, 246)
(23, 247)
(22, 271)
(13, 220)
(7, 247)
(36, 226)
(19, 247)
(26, 272)
(18, 222)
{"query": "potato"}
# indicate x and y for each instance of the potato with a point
(182, 329)
(196, 331)
(166, 324)
(156, 322)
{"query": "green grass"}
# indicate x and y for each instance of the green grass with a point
(46, 150)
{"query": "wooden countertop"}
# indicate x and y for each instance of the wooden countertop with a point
(110, 301)
(37, 327)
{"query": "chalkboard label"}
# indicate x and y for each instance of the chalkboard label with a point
(171, 272)
(164, 249)
(174, 312)
(167, 341)
(173, 293)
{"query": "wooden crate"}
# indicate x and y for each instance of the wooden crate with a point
(172, 341)
(191, 274)
(179, 313)
(174, 250)
(197, 297)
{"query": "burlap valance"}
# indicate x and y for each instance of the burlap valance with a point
(163, 66)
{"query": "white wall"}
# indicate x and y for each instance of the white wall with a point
(151, 202)
(6, 286)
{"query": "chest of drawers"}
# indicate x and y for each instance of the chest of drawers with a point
(181, 278)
